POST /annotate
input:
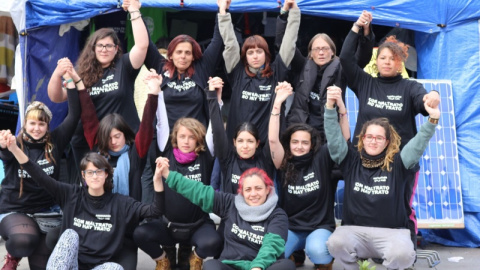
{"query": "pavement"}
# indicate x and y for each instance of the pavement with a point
(470, 259)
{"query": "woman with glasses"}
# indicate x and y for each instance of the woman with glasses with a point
(93, 216)
(108, 74)
(20, 197)
(377, 173)
(253, 75)
(306, 188)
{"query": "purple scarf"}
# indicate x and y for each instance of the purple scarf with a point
(184, 158)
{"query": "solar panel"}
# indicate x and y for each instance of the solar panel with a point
(438, 198)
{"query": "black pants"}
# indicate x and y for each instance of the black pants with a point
(282, 264)
(149, 236)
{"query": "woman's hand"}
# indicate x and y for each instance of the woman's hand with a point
(282, 91)
(153, 81)
(433, 111)
(11, 142)
(63, 65)
(364, 19)
(216, 84)
(432, 99)
(162, 168)
(223, 5)
(4, 135)
(334, 97)
(289, 4)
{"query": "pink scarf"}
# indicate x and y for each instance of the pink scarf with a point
(184, 158)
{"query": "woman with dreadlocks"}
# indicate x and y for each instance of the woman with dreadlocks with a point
(20, 197)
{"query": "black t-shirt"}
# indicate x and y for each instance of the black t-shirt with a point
(113, 93)
(178, 208)
(374, 197)
(309, 201)
(243, 239)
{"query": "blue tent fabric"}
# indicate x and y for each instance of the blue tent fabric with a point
(447, 43)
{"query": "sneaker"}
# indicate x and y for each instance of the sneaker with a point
(11, 262)
(184, 257)
(163, 264)
(171, 255)
(196, 262)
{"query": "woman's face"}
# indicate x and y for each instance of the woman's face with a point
(36, 128)
(374, 141)
(300, 143)
(95, 179)
(254, 190)
(321, 52)
(116, 141)
(182, 56)
(186, 140)
(105, 51)
(255, 57)
(386, 63)
(245, 144)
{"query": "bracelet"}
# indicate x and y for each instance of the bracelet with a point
(69, 80)
(133, 19)
(357, 25)
(433, 120)
(134, 11)
(283, 11)
(275, 114)
(342, 114)
(81, 80)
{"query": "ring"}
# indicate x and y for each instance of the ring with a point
(366, 22)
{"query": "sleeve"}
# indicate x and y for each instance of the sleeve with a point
(154, 59)
(231, 53)
(417, 92)
(156, 209)
(347, 58)
(365, 49)
(64, 132)
(221, 146)
(287, 49)
(89, 118)
(272, 247)
(144, 136)
(212, 53)
(163, 129)
(298, 59)
(5, 155)
(58, 190)
(413, 150)
(194, 191)
(337, 146)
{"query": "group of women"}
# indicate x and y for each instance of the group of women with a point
(277, 188)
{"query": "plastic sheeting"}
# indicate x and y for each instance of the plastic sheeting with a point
(447, 42)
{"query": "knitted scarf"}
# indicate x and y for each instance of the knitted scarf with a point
(184, 158)
(256, 213)
(371, 162)
(120, 175)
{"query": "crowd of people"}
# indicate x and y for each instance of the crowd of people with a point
(278, 167)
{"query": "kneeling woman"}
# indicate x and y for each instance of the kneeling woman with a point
(374, 215)
(90, 213)
(255, 228)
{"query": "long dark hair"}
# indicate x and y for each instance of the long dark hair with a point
(254, 42)
(101, 163)
(287, 166)
(105, 127)
(88, 67)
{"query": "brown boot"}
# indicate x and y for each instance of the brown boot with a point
(11, 262)
(183, 257)
(328, 266)
(163, 264)
(196, 262)
(171, 255)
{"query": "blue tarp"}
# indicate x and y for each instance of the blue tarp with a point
(447, 43)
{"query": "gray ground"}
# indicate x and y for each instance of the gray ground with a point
(470, 261)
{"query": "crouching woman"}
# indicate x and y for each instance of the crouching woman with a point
(255, 228)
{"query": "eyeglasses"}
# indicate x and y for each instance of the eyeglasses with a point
(98, 172)
(108, 47)
(370, 138)
(322, 49)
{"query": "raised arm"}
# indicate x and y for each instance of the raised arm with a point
(413, 150)
(195, 192)
(287, 49)
(140, 34)
(55, 91)
(231, 53)
(283, 90)
(221, 145)
(163, 129)
(144, 136)
(337, 144)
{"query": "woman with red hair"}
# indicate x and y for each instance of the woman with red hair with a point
(251, 74)
(255, 227)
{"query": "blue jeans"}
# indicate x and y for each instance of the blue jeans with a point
(314, 243)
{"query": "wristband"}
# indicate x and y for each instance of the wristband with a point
(357, 25)
(79, 81)
(275, 114)
(133, 19)
(433, 120)
(69, 80)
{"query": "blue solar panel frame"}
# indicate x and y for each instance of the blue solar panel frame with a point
(438, 198)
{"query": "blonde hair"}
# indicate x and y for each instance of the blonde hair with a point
(194, 126)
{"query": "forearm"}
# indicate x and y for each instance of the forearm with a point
(163, 129)
(413, 150)
(231, 53)
(144, 136)
(276, 148)
(141, 39)
(89, 118)
(287, 49)
(219, 134)
(55, 91)
(194, 191)
(337, 145)
(273, 246)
